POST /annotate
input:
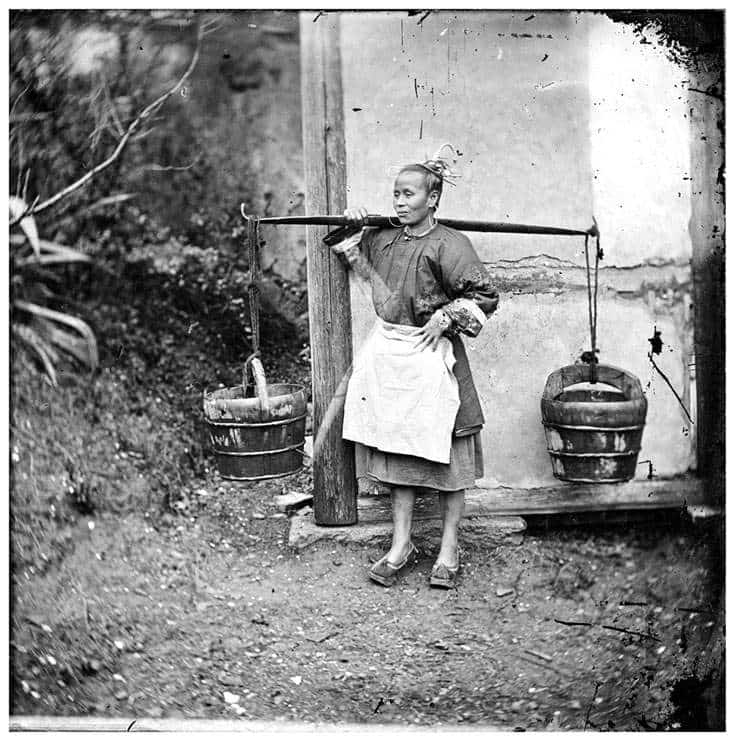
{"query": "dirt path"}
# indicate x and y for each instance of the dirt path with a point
(213, 616)
(142, 587)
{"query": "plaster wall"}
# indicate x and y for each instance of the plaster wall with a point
(639, 137)
(478, 81)
(532, 335)
(551, 130)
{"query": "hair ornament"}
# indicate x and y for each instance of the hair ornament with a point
(442, 164)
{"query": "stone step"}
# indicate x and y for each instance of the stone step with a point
(491, 530)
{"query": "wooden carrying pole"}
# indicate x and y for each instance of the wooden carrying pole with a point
(464, 225)
(335, 493)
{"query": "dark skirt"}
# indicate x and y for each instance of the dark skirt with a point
(391, 469)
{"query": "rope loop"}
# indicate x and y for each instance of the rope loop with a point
(245, 370)
(253, 245)
(590, 356)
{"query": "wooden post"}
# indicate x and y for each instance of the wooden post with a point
(706, 228)
(335, 494)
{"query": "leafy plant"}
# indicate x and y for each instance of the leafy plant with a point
(44, 332)
(37, 323)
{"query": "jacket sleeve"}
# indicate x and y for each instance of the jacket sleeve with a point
(467, 284)
(358, 258)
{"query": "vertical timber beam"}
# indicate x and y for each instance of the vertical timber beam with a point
(330, 327)
(706, 228)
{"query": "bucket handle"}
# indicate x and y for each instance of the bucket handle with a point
(256, 368)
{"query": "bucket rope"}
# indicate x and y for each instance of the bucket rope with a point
(590, 356)
(253, 245)
(253, 239)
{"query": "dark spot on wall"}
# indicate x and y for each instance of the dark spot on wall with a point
(691, 38)
(656, 342)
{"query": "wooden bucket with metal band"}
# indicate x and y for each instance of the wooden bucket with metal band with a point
(257, 437)
(593, 430)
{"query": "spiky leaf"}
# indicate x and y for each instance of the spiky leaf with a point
(74, 322)
(40, 348)
(52, 252)
(70, 343)
(28, 224)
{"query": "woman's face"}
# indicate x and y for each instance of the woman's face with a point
(411, 202)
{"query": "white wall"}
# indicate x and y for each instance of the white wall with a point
(559, 117)
(639, 134)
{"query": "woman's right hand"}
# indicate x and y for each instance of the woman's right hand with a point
(349, 247)
(356, 215)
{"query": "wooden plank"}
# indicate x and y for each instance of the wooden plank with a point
(335, 489)
(685, 491)
(103, 724)
(706, 228)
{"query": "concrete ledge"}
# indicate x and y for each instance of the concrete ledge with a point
(548, 274)
(493, 530)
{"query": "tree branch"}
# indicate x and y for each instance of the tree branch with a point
(167, 168)
(150, 108)
(18, 97)
(113, 110)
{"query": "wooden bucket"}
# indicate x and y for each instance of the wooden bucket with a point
(593, 431)
(260, 437)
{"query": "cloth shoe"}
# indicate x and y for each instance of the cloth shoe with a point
(386, 573)
(442, 577)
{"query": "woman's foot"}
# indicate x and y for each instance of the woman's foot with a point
(398, 552)
(448, 556)
(445, 571)
(443, 575)
(385, 571)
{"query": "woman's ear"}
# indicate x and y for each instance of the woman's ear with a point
(433, 199)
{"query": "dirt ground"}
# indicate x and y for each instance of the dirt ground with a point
(149, 621)
(144, 586)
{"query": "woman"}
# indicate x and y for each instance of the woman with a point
(411, 406)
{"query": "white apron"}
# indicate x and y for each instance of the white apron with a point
(400, 399)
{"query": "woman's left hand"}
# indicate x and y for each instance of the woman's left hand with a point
(430, 334)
